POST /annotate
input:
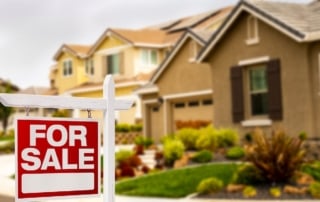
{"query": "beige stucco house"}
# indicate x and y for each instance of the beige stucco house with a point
(265, 62)
(180, 90)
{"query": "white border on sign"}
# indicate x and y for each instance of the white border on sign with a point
(58, 119)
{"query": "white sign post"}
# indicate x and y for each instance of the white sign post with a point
(107, 103)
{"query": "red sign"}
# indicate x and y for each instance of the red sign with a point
(57, 158)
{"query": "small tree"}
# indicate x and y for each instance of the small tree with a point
(5, 112)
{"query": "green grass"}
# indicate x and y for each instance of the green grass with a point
(6, 138)
(174, 183)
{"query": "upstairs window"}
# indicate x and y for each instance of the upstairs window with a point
(252, 31)
(67, 68)
(263, 97)
(89, 67)
(113, 64)
(149, 57)
(258, 91)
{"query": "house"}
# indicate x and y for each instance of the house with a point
(180, 90)
(265, 62)
(131, 55)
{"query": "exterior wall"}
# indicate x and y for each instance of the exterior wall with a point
(314, 57)
(78, 76)
(296, 90)
(182, 76)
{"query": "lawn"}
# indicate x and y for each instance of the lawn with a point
(175, 183)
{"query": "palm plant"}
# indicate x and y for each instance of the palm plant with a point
(277, 157)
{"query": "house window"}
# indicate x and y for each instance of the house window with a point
(149, 57)
(113, 64)
(252, 31)
(258, 91)
(262, 94)
(89, 67)
(67, 67)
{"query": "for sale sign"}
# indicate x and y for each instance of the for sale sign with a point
(57, 158)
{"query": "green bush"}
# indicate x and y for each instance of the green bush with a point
(314, 189)
(249, 191)
(235, 153)
(123, 155)
(203, 156)
(312, 169)
(136, 127)
(208, 139)
(144, 141)
(172, 150)
(188, 136)
(247, 174)
(122, 127)
(210, 185)
(227, 137)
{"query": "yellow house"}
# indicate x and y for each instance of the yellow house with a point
(69, 70)
(130, 56)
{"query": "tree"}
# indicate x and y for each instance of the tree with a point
(5, 112)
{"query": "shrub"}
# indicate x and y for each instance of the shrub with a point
(314, 190)
(196, 124)
(247, 174)
(207, 139)
(227, 137)
(210, 185)
(312, 169)
(249, 191)
(123, 155)
(277, 157)
(275, 192)
(172, 150)
(144, 141)
(235, 153)
(136, 127)
(122, 128)
(203, 156)
(188, 136)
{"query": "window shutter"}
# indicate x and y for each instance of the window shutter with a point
(274, 91)
(121, 63)
(237, 94)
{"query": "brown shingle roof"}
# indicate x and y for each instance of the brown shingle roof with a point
(304, 19)
(142, 36)
(75, 49)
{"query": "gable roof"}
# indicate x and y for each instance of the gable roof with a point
(136, 37)
(80, 51)
(189, 34)
(301, 22)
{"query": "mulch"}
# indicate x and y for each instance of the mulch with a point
(262, 194)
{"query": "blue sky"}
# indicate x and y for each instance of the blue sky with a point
(32, 31)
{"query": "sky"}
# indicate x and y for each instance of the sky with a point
(31, 31)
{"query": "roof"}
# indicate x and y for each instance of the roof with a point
(77, 50)
(120, 81)
(38, 90)
(300, 22)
